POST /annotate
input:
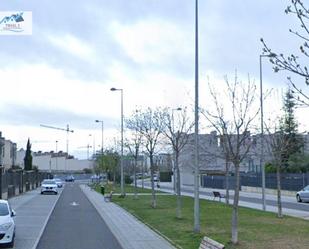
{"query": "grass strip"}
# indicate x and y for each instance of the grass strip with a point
(257, 229)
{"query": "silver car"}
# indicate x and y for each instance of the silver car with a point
(303, 195)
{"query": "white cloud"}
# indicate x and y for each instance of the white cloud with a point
(41, 85)
(152, 41)
(71, 44)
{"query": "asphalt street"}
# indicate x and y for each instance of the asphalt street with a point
(32, 212)
(289, 205)
(75, 223)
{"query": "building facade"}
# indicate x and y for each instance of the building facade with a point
(212, 158)
(7, 153)
(55, 162)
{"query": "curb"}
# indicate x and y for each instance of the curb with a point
(148, 225)
(95, 205)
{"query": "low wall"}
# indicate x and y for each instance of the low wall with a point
(267, 190)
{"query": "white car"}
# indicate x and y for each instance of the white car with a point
(49, 186)
(303, 195)
(59, 182)
(7, 224)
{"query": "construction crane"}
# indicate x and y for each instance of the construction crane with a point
(86, 147)
(61, 129)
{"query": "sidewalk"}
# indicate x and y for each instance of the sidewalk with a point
(130, 232)
(206, 193)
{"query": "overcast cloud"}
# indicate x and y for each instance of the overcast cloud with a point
(80, 49)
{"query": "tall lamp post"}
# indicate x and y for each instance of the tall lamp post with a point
(173, 127)
(262, 166)
(56, 155)
(102, 142)
(196, 119)
(121, 159)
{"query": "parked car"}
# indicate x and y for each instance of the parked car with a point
(7, 224)
(70, 178)
(303, 195)
(49, 186)
(59, 182)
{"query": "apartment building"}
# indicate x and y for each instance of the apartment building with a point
(7, 152)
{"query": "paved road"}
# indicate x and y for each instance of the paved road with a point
(75, 223)
(290, 205)
(33, 210)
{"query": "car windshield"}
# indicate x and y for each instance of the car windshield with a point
(49, 182)
(4, 210)
(57, 180)
(306, 188)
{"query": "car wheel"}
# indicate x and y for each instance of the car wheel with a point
(42, 193)
(298, 198)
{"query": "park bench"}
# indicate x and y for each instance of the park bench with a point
(208, 243)
(108, 197)
(218, 194)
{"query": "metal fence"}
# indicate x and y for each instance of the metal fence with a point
(292, 182)
(16, 182)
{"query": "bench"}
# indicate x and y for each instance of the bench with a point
(208, 243)
(218, 194)
(108, 197)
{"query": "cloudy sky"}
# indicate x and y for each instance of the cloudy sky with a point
(78, 50)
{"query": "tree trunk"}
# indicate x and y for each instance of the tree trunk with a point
(114, 180)
(227, 192)
(235, 206)
(135, 183)
(279, 192)
(153, 193)
(178, 188)
(143, 174)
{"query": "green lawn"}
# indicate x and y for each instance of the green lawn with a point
(257, 229)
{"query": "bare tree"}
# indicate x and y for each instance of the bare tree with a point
(277, 143)
(217, 151)
(150, 124)
(177, 134)
(295, 64)
(134, 144)
(233, 121)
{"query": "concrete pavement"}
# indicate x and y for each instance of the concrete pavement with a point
(40, 220)
(130, 232)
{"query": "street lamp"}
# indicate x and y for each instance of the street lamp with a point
(89, 146)
(102, 147)
(262, 166)
(56, 155)
(121, 159)
(196, 119)
(173, 127)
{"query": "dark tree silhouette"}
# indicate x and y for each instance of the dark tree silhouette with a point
(28, 157)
